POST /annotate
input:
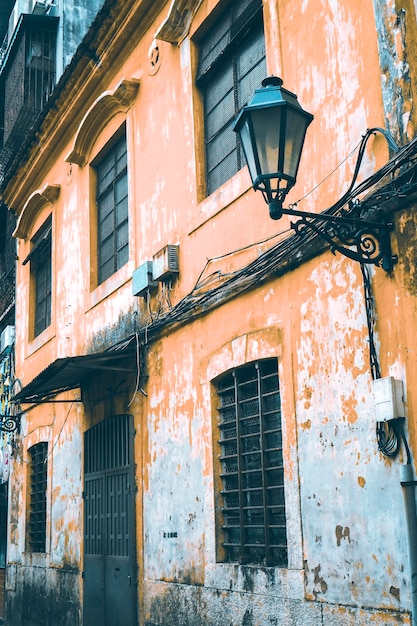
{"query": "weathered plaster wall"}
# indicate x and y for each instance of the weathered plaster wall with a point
(396, 28)
(76, 18)
(347, 556)
(352, 549)
(45, 588)
(352, 503)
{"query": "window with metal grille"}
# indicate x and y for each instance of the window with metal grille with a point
(30, 75)
(231, 66)
(40, 258)
(36, 519)
(251, 465)
(112, 209)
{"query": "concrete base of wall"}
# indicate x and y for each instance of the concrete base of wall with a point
(39, 596)
(169, 604)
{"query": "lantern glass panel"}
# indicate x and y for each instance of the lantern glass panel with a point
(295, 133)
(267, 133)
(246, 139)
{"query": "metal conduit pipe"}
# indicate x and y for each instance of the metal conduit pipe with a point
(408, 484)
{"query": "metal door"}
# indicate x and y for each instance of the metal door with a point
(109, 524)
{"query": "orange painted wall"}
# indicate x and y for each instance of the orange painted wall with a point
(347, 544)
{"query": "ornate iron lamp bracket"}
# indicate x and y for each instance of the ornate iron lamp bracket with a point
(9, 423)
(362, 240)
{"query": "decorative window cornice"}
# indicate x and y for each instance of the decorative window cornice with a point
(33, 206)
(176, 26)
(107, 105)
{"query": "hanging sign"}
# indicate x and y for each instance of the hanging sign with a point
(6, 454)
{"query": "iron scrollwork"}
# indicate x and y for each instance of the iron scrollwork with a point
(362, 240)
(9, 423)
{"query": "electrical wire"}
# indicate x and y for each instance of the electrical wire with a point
(60, 432)
(388, 437)
(389, 434)
(274, 260)
(237, 251)
(137, 388)
(330, 174)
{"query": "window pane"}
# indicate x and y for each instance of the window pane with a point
(222, 147)
(106, 204)
(219, 88)
(107, 250)
(106, 228)
(232, 65)
(122, 211)
(122, 256)
(121, 189)
(112, 209)
(105, 175)
(222, 172)
(106, 270)
(122, 235)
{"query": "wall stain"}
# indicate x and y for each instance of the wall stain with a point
(394, 591)
(319, 581)
(342, 533)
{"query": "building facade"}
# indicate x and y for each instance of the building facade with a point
(202, 435)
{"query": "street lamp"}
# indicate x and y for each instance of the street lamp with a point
(272, 128)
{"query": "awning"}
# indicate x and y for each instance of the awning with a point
(69, 372)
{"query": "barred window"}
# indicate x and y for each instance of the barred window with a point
(36, 520)
(251, 465)
(231, 66)
(112, 209)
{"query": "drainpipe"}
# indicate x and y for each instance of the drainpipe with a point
(408, 484)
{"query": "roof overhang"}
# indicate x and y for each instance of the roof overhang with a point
(71, 372)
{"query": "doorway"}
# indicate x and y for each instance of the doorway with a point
(110, 576)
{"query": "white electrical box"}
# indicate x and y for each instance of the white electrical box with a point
(142, 281)
(166, 263)
(389, 400)
(7, 338)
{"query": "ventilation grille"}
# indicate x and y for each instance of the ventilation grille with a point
(166, 263)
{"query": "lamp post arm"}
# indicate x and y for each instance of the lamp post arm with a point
(360, 240)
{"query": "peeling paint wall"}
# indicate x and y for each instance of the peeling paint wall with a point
(347, 551)
(396, 28)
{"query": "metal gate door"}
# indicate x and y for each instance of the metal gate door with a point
(109, 524)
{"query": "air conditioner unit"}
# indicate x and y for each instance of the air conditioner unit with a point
(40, 7)
(7, 338)
(166, 263)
